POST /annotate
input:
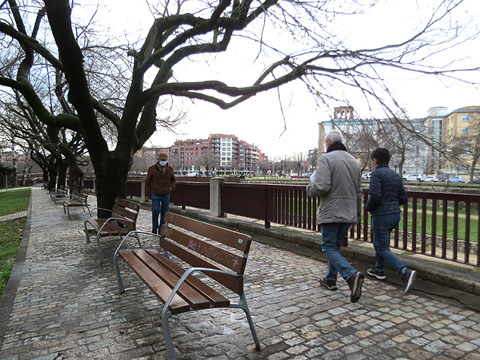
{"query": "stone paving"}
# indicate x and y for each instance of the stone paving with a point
(67, 307)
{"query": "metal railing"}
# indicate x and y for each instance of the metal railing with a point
(443, 225)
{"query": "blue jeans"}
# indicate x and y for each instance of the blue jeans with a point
(160, 204)
(332, 236)
(382, 226)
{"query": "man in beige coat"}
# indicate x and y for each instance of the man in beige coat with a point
(337, 181)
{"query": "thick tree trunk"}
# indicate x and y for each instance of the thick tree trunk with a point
(111, 181)
(62, 174)
(45, 177)
(52, 178)
(75, 180)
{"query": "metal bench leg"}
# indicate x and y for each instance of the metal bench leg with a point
(121, 289)
(68, 211)
(166, 335)
(86, 231)
(244, 306)
(99, 249)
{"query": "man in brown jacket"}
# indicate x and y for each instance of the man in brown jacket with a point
(159, 183)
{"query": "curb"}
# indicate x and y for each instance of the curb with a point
(6, 302)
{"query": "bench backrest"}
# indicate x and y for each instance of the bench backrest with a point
(222, 249)
(83, 196)
(124, 208)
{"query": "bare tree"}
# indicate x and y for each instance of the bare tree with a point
(474, 144)
(53, 148)
(183, 32)
(360, 144)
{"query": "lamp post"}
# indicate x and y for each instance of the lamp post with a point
(14, 163)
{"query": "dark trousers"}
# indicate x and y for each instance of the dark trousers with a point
(160, 204)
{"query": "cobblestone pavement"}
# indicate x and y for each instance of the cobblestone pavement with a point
(67, 307)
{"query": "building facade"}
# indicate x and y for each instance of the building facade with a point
(362, 136)
(434, 125)
(461, 137)
(220, 154)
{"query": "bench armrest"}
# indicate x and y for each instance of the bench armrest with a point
(133, 233)
(76, 197)
(112, 219)
(99, 208)
(184, 277)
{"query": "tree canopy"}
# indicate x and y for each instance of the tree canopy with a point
(115, 93)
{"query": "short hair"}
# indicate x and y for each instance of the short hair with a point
(382, 156)
(334, 136)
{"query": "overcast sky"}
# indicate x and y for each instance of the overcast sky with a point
(260, 121)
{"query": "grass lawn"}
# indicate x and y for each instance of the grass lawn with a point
(11, 231)
(14, 201)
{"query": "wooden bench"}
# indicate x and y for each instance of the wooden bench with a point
(219, 253)
(58, 195)
(80, 200)
(123, 220)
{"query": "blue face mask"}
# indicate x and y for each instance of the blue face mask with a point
(162, 162)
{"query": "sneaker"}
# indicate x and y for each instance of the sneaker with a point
(355, 283)
(408, 278)
(375, 273)
(329, 284)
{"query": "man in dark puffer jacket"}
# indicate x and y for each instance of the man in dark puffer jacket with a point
(386, 195)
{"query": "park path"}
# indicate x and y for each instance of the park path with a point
(66, 306)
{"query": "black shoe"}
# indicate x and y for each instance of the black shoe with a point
(375, 273)
(355, 283)
(329, 284)
(154, 231)
(408, 278)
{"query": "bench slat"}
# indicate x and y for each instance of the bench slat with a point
(118, 212)
(128, 204)
(234, 284)
(124, 212)
(111, 227)
(219, 255)
(189, 294)
(154, 283)
(228, 237)
(214, 297)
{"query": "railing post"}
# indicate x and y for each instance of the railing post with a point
(215, 196)
(267, 191)
(142, 191)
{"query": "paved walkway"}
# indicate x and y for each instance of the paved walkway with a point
(66, 307)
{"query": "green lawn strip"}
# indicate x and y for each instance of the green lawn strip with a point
(439, 226)
(450, 210)
(14, 201)
(285, 204)
(11, 233)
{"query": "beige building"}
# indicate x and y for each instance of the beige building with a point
(460, 135)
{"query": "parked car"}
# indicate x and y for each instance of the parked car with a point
(456, 180)
(412, 178)
(475, 181)
(430, 178)
(366, 176)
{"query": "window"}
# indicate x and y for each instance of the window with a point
(465, 118)
(465, 131)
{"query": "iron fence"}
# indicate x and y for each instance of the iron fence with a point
(443, 225)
